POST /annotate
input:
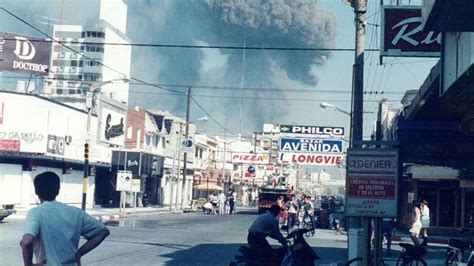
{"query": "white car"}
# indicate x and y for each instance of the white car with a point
(6, 210)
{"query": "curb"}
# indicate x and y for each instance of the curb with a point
(433, 240)
(108, 218)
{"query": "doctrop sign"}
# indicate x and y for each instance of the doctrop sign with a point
(24, 54)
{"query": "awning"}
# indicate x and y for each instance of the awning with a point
(209, 187)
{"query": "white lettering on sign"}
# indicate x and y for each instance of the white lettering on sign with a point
(318, 130)
(314, 145)
(407, 36)
(30, 66)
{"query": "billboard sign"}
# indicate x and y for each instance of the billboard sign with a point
(288, 130)
(307, 145)
(402, 34)
(250, 158)
(372, 182)
(309, 158)
(112, 126)
(24, 54)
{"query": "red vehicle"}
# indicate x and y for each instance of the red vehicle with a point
(268, 194)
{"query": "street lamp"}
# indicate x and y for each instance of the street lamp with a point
(178, 151)
(325, 105)
(90, 103)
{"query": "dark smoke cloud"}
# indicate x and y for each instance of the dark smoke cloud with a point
(276, 23)
(264, 23)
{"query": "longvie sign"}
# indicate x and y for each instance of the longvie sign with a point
(310, 158)
(372, 182)
(402, 34)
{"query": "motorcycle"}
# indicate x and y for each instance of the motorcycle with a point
(298, 253)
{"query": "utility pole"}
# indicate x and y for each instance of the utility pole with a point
(185, 157)
(175, 173)
(360, 9)
(85, 182)
(225, 147)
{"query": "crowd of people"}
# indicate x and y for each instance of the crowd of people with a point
(297, 212)
(221, 203)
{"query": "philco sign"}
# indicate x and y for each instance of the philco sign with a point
(402, 34)
(24, 54)
(311, 130)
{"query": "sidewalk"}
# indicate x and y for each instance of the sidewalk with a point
(105, 214)
(405, 237)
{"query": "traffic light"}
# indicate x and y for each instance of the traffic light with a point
(86, 151)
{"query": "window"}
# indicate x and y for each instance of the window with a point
(83, 34)
(94, 34)
(74, 63)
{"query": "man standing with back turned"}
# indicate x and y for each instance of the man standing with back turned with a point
(53, 229)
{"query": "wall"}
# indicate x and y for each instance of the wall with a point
(458, 56)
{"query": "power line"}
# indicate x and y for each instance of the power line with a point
(211, 117)
(77, 52)
(187, 46)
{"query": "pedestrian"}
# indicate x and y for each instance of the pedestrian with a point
(213, 199)
(221, 201)
(292, 213)
(415, 223)
(231, 201)
(388, 233)
(53, 229)
(309, 211)
(425, 222)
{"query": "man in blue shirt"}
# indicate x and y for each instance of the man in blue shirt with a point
(53, 229)
(266, 225)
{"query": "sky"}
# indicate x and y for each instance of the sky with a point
(279, 86)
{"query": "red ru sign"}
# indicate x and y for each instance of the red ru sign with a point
(402, 34)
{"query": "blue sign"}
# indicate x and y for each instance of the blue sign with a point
(312, 130)
(251, 169)
(310, 145)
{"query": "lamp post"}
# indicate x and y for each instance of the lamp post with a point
(90, 104)
(325, 105)
(178, 152)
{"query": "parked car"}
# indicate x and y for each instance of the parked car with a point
(6, 210)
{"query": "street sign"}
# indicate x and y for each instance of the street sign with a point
(124, 181)
(372, 182)
(135, 186)
(187, 145)
(310, 158)
(290, 130)
(251, 169)
(308, 145)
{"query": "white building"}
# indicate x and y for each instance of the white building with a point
(86, 60)
(46, 136)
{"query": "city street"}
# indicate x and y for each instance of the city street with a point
(183, 239)
(171, 239)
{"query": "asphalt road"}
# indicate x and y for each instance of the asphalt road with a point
(174, 239)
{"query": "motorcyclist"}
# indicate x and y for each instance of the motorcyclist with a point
(266, 225)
